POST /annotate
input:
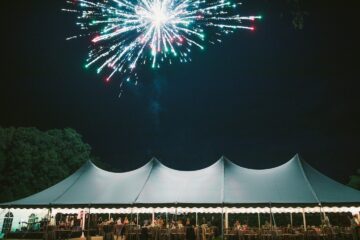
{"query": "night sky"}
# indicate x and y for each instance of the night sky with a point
(258, 98)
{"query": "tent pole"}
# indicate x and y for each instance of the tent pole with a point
(131, 215)
(271, 223)
(304, 219)
(196, 218)
(176, 214)
(222, 223)
(291, 219)
(137, 218)
(321, 216)
(83, 223)
(274, 220)
(226, 218)
(49, 219)
(259, 220)
(88, 230)
(167, 218)
(153, 217)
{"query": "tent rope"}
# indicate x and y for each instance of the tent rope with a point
(147, 179)
(307, 180)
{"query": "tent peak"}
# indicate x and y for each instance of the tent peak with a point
(296, 158)
(224, 160)
(154, 161)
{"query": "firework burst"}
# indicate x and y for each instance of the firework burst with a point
(127, 33)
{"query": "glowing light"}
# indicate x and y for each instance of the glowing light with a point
(125, 33)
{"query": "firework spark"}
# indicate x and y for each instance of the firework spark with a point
(127, 33)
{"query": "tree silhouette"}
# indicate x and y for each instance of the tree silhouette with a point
(355, 180)
(32, 160)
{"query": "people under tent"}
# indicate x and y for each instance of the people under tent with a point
(185, 226)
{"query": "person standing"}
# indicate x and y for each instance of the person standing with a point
(118, 228)
(190, 231)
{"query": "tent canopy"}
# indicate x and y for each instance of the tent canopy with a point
(223, 183)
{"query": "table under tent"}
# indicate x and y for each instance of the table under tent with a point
(224, 200)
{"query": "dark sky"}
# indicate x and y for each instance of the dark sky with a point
(258, 98)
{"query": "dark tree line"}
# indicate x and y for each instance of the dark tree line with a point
(32, 160)
(355, 180)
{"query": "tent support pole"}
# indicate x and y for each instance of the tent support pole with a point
(196, 218)
(88, 225)
(274, 220)
(259, 220)
(131, 214)
(176, 214)
(222, 223)
(304, 219)
(137, 218)
(48, 220)
(321, 215)
(226, 219)
(291, 219)
(167, 218)
(83, 224)
(271, 222)
(153, 217)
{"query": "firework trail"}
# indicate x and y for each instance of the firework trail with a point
(127, 33)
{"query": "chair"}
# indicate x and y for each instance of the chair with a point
(266, 234)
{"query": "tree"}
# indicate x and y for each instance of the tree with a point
(32, 160)
(355, 180)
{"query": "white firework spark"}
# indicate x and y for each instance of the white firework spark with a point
(126, 33)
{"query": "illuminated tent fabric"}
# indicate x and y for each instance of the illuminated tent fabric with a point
(224, 182)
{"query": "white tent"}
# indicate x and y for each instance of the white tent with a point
(224, 187)
(221, 184)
